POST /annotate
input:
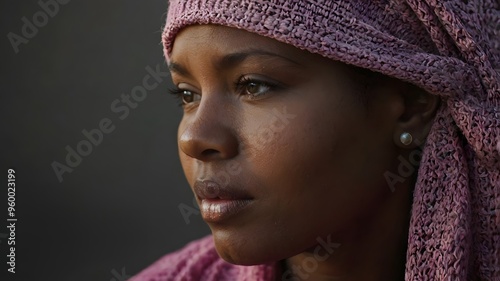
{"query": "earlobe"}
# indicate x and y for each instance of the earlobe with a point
(415, 123)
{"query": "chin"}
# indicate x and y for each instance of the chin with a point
(243, 251)
(238, 255)
(239, 259)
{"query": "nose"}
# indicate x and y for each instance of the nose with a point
(208, 135)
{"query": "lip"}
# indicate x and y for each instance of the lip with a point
(220, 202)
(218, 210)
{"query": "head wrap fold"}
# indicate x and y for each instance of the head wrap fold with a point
(450, 48)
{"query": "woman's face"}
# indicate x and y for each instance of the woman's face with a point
(277, 144)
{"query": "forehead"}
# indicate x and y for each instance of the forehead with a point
(216, 40)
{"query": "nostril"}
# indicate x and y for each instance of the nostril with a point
(209, 152)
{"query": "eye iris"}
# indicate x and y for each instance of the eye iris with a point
(187, 96)
(253, 88)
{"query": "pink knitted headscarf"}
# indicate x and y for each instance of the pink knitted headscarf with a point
(450, 48)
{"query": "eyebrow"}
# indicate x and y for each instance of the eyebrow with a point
(230, 60)
(177, 68)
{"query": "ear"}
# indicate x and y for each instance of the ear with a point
(419, 110)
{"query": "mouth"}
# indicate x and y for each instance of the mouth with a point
(220, 202)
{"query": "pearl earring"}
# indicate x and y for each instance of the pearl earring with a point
(406, 138)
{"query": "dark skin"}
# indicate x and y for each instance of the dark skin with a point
(317, 175)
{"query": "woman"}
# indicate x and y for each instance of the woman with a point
(301, 136)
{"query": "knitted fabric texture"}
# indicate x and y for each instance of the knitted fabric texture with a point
(450, 48)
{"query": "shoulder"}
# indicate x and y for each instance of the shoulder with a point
(199, 261)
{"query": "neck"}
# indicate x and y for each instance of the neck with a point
(374, 249)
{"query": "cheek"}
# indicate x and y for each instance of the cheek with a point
(316, 142)
(313, 173)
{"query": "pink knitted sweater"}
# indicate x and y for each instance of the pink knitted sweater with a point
(450, 48)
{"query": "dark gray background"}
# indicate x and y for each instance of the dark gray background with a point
(119, 208)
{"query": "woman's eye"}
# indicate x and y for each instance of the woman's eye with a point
(189, 96)
(256, 88)
(186, 96)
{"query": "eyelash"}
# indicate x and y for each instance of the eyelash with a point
(239, 85)
(177, 93)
